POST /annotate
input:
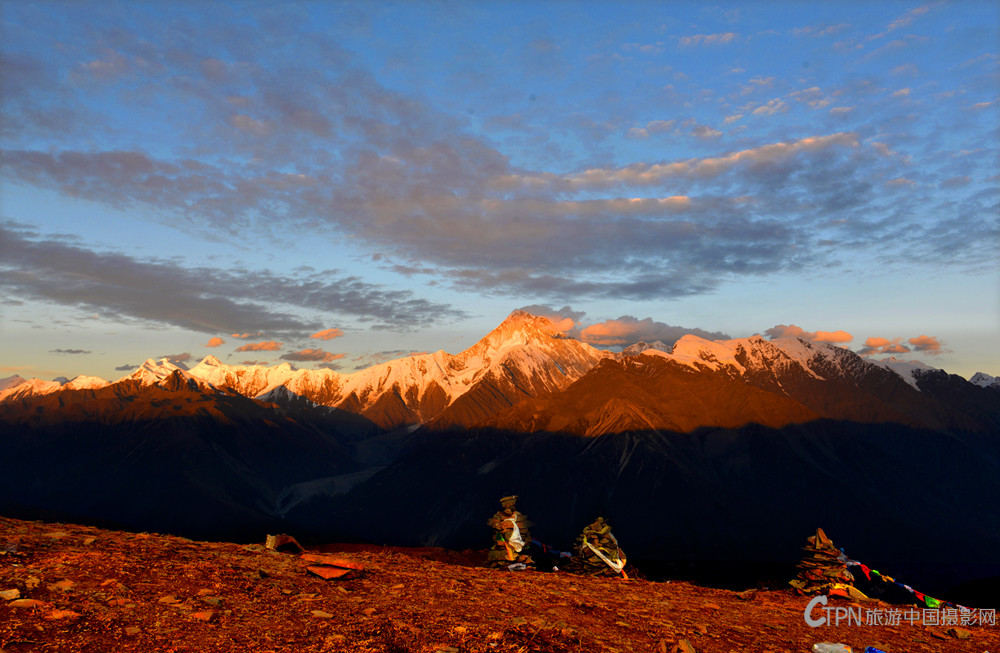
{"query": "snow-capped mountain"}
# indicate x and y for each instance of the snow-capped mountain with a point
(247, 380)
(642, 346)
(749, 380)
(15, 387)
(984, 380)
(909, 371)
(523, 357)
(526, 358)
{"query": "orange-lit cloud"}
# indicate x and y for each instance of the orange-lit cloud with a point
(876, 345)
(648, 175)
(317, 355)
(327, 334)
(177, 359)
(269, 345)
(795, 331)
(563, 319)
(215, 342)
(244, 336)
(926, 344)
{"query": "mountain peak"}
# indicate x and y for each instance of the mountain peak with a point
(520, 328)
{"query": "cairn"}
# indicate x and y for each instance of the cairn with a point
(596, 552)
(511, 538)
(822, 567)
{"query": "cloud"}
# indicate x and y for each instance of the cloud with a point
(126, 368)
(825, 29)
(197, 298)
(269, 345)
(180, 360)
(215, 342)
(563, 319)
(794, 331)
(876, 345)
(704, 131)
(926, 344)
(540, 203)
(327, 334)
(69, 351)
(317, 355)
(777, 105)
(244, 336)
(628, 330)
(649, 175)
(708, 39)
(906, 19)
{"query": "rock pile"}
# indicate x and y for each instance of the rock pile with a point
(511, 538)
(596, 551)
(822, 567)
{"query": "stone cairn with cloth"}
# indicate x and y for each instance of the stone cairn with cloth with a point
(511, 538)
(822, 568)
(596, 552)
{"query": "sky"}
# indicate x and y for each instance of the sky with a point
(336, 184)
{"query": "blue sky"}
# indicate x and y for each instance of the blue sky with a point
(339, 184)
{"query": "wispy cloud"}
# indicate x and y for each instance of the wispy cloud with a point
(708, 39)
(199, 299)
(795, 331)
(314, 355)
(926, 344)
(268, 345)
(327, 334)
(215, 342)
(878, 345)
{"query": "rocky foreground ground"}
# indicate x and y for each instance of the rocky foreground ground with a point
(78, 588)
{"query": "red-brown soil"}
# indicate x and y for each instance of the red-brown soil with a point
(101, 590)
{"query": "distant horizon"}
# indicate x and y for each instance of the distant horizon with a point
(337, 184)
(571, 330)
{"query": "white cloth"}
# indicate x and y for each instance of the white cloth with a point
(515, 540)
(616, 565)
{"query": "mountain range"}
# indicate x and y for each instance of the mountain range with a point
(698, 450)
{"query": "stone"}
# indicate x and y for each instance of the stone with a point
(368, 611)
(56, 535)
(32, 582)
(169, 599)
(10, 595)
(27, 603)
(62, 585)
(205, 615)
(131, 631)
(87, 541)
(329, 573)
(959, 633)
(684, 646)
(62, 614)
(321, 615)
